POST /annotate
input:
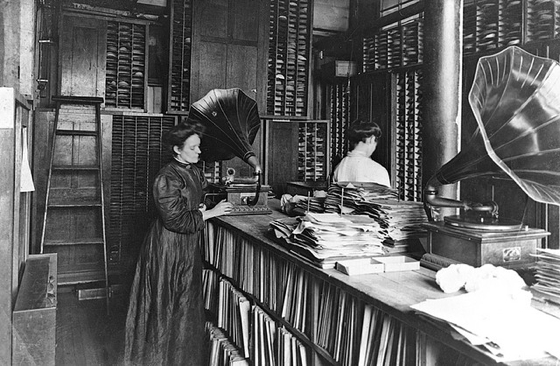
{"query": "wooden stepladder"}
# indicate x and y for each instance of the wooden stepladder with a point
(74, 215)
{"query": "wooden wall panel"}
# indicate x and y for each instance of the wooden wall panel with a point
(241, 66)
(83, 50)
(209, 71)
(214, 13)
(245, 20)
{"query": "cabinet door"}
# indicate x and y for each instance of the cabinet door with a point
(229, 47)
(82, 56)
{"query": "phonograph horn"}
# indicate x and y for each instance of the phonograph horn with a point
(231, 121)
(515, 98)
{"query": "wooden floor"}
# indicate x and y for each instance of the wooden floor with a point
(85, 334)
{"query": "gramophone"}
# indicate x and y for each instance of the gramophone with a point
(515, 98)
(231, 121)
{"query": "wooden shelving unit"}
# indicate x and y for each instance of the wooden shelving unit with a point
(510, 20)
(180, 38)
(543, 19)
(339, 105)
(492, 24)
(126, 67)
(288, 57)
(407, 136)
(394, 46)
(137, 154)
(313, 150)
(413, 42)
(336, 320)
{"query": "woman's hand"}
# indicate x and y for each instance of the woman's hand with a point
(222, 208)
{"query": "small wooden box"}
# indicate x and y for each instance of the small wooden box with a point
(34, 315)
(510, 249)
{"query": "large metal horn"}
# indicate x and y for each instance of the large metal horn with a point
(515, 98)
(232, 121)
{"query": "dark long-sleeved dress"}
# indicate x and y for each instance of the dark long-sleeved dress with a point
(165, 320)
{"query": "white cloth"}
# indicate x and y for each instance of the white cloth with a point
(357, 167)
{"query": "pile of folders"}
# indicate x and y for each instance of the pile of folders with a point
(359, 221)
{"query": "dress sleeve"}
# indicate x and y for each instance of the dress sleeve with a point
(174, 209)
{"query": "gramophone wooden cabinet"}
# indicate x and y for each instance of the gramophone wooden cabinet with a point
(511, 249)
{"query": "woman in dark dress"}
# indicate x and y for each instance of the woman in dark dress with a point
(165, 320)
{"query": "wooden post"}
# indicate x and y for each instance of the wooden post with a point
(442, 86)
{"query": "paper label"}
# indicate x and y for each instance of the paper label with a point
(511, 254)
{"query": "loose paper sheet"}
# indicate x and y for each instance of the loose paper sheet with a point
(518, 330)
(26, 183)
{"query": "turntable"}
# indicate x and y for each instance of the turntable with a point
(516, 101)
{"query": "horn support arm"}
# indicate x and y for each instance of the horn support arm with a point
(257, 174)
(432, 198)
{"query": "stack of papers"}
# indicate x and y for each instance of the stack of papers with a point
(548, 274)
(364, 192)
(327, 238)
(399, 221)
(507, 328)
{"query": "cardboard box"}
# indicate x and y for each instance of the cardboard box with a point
(394, 263)
(359, 266)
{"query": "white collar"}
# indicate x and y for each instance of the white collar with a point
(357, 153)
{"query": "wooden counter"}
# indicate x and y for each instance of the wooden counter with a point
(392, 293)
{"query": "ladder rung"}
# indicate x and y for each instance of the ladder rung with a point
(64, 99)
(91, 241)
(76, 132)
(75, 167)
(74, 205)
(76, 277)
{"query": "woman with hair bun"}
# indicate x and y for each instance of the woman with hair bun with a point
(358, 166)
(165, 320)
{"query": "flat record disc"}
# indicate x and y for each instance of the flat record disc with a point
(483, 223)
